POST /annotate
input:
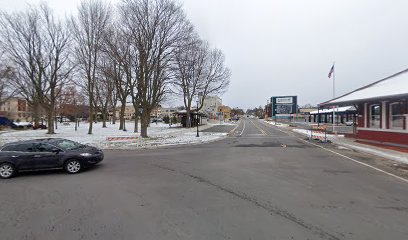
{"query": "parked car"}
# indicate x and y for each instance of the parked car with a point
(21, 125)
(40, 126)
(350, 123)
(42, 154)
(156, 120)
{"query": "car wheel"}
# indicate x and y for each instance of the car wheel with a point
(73, 166)
(7, 170)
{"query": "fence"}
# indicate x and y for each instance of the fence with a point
(136, 139)
(111, 139)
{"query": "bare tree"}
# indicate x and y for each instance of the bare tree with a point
(103, 93)
(198, 72)
(217, 75)
(118, 49)
(88, 28)
(37, 46)
(22, 43)
(6, 76)
(155, 27)
(56, 74)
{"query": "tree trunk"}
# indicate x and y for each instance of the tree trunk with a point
(91, 118)
(114, 115)
(50, 117)
(144, 124)
(188, 118)
(122, 116)
(36, 114)
(104, 114)
(136, 123)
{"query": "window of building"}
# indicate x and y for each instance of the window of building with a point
(375, 116)
(396, 115)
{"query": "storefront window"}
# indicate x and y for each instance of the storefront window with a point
(375, 115)
(396, 116)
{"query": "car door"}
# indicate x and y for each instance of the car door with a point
(22, 154)
(44, 156)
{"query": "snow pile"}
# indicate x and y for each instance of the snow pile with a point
(160, 134)
(278, 124)
(315, 133)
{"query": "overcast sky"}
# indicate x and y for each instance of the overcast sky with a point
(286, 47)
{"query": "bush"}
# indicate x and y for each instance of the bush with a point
(174, 120)
(166, 119)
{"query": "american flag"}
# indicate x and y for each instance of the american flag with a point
(331, 71)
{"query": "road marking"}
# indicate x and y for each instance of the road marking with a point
(346, 157)
(242, 129)
(260, 129)
(235, 128)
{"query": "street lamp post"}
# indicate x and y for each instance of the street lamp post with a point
(198, 135)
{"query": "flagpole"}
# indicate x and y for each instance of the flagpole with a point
(334, 81)
(334, 95)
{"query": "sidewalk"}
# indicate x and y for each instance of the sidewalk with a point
(376, 149)
(394, 153)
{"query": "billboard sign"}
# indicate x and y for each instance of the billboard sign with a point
(284, 100)
(284, 105)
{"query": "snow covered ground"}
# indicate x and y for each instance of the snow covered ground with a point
(160, 134)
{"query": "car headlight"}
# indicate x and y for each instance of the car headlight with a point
(86, 154)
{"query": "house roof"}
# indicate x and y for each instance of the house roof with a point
(337, 110)
(393, 86)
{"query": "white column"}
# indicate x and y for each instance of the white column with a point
(384, 115)
(366, 116)
(406, 122)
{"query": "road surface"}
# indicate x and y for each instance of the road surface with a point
(259, 183)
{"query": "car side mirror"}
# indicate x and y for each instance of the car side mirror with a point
(56, 150)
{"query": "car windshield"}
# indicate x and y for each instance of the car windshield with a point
(68, 144)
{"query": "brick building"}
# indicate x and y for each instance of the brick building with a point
(382, 109)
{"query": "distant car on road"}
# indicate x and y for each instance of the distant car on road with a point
(42, 154)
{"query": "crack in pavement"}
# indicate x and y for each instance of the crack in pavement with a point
(266, 206)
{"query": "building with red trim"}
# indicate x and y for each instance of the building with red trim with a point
(382, 110)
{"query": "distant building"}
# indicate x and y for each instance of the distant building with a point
(161, 112)
(16, 109)
(268, 110)
(210, 106)
(73, 111)
(225, 112)
(158, 112)
(382, 109)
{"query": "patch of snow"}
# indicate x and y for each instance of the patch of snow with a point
(316, 134)
(160, 134)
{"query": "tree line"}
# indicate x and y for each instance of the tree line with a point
(137, 51)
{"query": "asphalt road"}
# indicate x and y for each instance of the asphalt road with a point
(259, 183)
